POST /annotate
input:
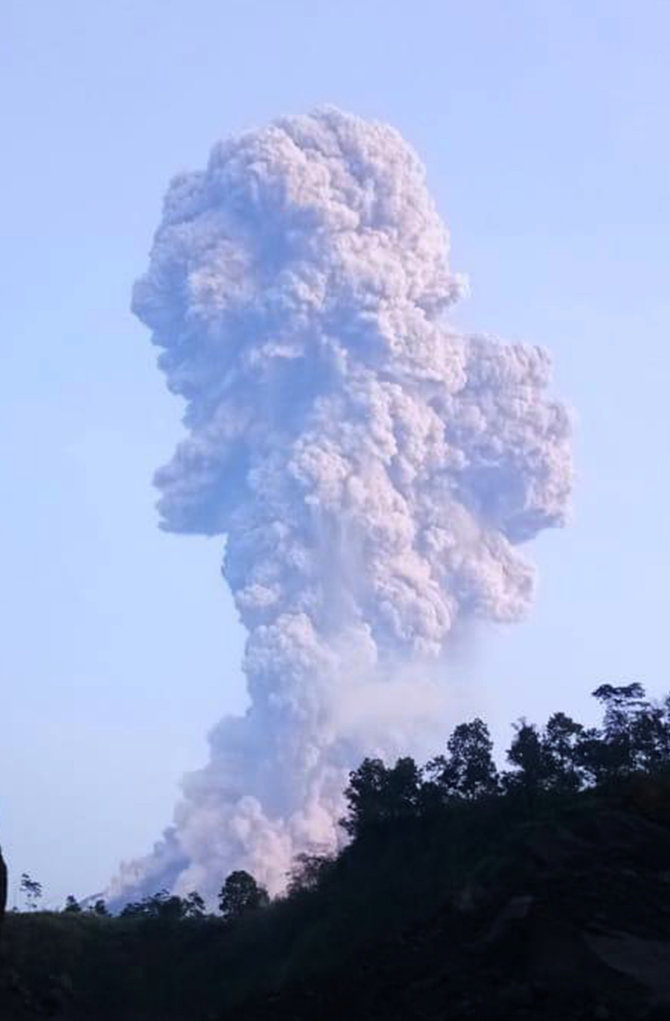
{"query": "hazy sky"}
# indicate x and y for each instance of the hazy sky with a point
(543, 126)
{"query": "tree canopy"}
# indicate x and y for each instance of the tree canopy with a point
(557, 760)
(241, 894)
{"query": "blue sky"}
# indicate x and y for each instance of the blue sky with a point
(543, 126)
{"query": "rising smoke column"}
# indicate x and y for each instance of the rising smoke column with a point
(372, 469)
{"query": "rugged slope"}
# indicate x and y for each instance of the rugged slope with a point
(481, 916)
(571, 921)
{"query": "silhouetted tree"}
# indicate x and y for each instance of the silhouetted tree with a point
(171, 908)
(193, 905)
(527, 754)
(401, 790)
(377, 794)
(560, 741)
(241, 894)
(650, 735)
(365, 796)
(468, 771)
(612, 753)
(72, 905)
(561, 759)
(431, 794)
(622, 705)
(591, 756)
(308, 870)
(31, 889)
(162, 905)
(100, 908)
(132, 908)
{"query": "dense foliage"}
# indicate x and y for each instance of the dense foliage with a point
(561, 759)
(416, 833)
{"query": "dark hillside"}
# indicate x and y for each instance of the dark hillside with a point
(569, 919)
(542, 892)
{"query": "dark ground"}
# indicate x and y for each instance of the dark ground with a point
(576, 924)
(566, 917)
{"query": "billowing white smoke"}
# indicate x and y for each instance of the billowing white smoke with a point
(372, 469)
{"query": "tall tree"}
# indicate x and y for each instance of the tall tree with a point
(193, 905)
(617, 754)
(309, 871)
(31, 890)
(468, 770)
(401, 790)
(560, 742)
(365, 796)
(241, 894)
(526, 753)
(650, 732)
(163, 905)
(379, 794)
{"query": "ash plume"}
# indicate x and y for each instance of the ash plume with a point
(373, 470)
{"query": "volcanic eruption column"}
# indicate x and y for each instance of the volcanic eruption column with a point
(372, 469)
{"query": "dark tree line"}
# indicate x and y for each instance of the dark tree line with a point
(560, 759)
(239, 895)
